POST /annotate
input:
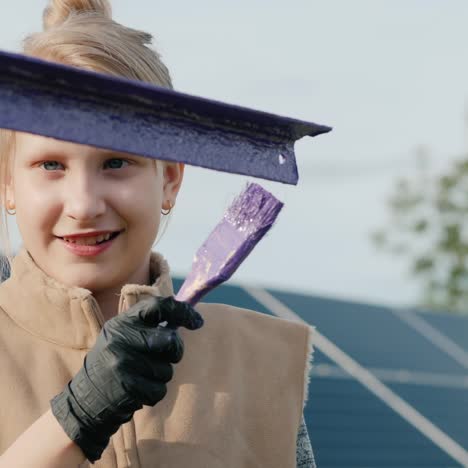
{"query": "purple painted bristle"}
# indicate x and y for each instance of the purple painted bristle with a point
(254, 209)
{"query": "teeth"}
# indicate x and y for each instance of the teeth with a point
(103, 237)
(89, 240)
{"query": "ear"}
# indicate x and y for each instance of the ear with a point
(173, 174)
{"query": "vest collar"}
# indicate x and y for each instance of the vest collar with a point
(68, 316)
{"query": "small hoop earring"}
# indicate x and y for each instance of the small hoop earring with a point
(166, 212)
(11, 213)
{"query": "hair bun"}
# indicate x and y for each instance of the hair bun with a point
(58, 11)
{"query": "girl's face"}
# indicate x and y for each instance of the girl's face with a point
(61, 189)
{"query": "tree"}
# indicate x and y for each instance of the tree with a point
(429, 225)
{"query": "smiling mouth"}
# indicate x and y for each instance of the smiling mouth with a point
(95, 240)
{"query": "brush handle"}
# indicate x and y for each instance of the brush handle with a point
(189, 295)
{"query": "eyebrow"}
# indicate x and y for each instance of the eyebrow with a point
(100, 152)
(108, 152)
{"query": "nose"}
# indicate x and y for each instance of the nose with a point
(84, 197)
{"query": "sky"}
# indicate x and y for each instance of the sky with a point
(388, 76)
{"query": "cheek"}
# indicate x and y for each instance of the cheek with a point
(141, 201)
(35, 204)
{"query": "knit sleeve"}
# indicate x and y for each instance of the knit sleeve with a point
(304, 454)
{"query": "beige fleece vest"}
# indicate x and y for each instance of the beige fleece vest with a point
(235, 400)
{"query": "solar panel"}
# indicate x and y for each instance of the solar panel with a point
(424, 368)
(350, 427)
(373, 335)
(447, 407)
(456, 328)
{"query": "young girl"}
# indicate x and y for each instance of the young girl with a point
(88, 372)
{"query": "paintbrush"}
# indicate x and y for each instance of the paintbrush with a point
(246, 221)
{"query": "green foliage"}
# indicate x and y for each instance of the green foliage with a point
(428, 224)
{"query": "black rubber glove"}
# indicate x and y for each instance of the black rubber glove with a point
(127, 368)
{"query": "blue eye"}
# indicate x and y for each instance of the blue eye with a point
(114, 163)
(48, 162)
(119, 162)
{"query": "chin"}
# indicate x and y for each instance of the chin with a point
(89, 278)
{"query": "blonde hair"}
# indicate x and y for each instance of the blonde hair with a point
(81, 33)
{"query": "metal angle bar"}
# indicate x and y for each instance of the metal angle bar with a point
(368, 380)
(81, 106)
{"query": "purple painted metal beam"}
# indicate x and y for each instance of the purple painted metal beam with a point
(72, 104)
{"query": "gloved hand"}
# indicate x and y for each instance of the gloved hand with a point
(127, 368)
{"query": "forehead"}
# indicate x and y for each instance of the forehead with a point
(28, 144)
(30, 141)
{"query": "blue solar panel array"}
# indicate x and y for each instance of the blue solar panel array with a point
(351, 427)
(453, 326)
